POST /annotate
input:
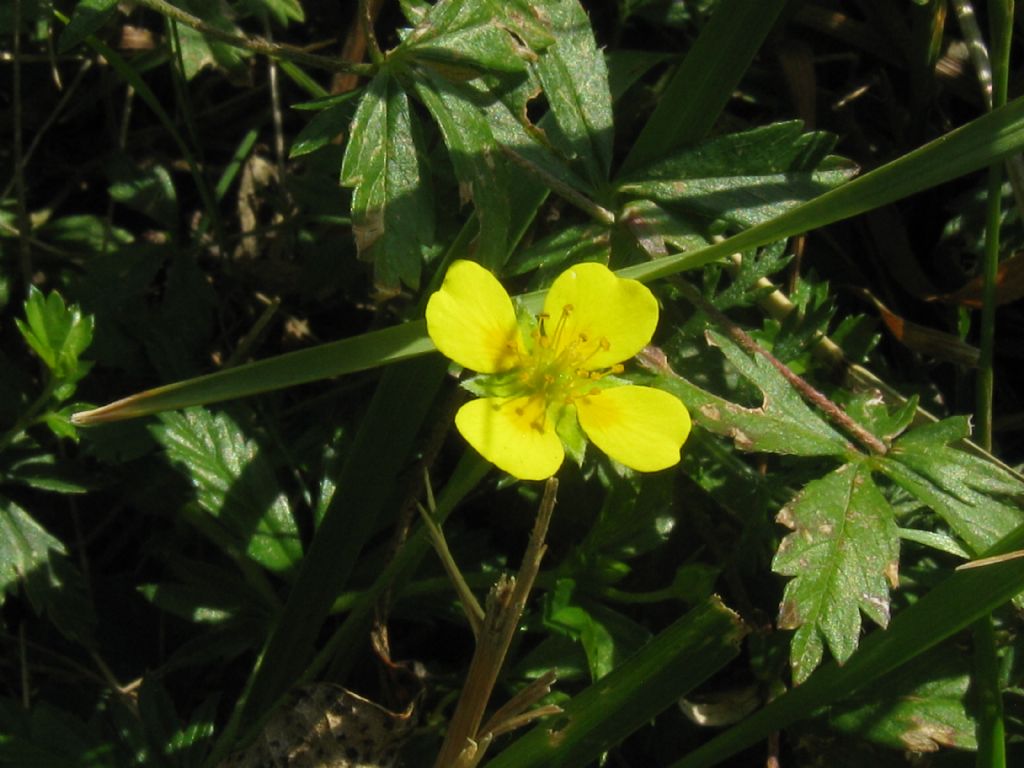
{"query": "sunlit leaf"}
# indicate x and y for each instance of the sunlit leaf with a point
(744, 178)
(783, 424)
(843, 554)
(239, 504)
(976, 498)
(392, 209)
(59, 334)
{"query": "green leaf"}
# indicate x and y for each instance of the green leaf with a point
(607, 637)
(379, 454)
(783, 424)
(47, 473)
(150, 192)
(921, 707)
(478, 162)
(744, 178)
(239, 503)
(199, 51)
(88, 17)
(953, 605)
(57, 333)
(575, 81)
(32, 557)
(323, 128)
(673, 663)
(844, 555)
(282, 11)
(25, 546)
(392, 208)
(462, 39)
(84, 232)
(961, 488)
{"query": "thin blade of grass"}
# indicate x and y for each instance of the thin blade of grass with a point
(673, 663)
(705, 81)
(369, 478)
(968, 148)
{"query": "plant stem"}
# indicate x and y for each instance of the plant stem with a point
(991, 732)
(1001, 31)
(368, 12)
(24, 223)
(989, 727)
(832, 411)
(258, 44)
(505, 606)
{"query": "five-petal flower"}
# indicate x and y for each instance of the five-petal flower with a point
(558, 375)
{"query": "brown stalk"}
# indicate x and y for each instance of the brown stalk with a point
(505, 605)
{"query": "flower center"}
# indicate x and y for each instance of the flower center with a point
(557, 370)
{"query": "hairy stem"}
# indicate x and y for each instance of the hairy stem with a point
(832, 411)
(257, 44)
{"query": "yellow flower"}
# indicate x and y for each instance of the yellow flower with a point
(543, 386)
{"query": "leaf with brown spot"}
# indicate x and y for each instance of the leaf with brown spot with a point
(843, 554)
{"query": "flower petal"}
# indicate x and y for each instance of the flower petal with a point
(514, 434)
(641, 427)
(610, 317)
(472, 321)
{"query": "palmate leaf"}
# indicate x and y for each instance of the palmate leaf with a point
(574, 77)
(59, 334)
(843, 554)
(238, 504)
(392, 209)
(463, 39)
(744, 178)
(783, 424)
(478, 162)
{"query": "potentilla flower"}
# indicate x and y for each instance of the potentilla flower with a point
(548, 378)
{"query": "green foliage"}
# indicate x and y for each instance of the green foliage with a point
(843, 556)
(57, 333)
(238, 503)
(186, 224)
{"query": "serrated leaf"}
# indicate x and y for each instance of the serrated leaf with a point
(32, 557)
(243, 509)
(25, 546)
(844, 555)
(783, 424)
(392, 209)
(961, 488)
(199, 51)
(57, 333)
(751, 268)
(462, 39)
(478, 162)
(575, 81)
(745, 178)
(88, 17)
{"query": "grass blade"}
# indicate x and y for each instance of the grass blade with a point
(673, 663)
